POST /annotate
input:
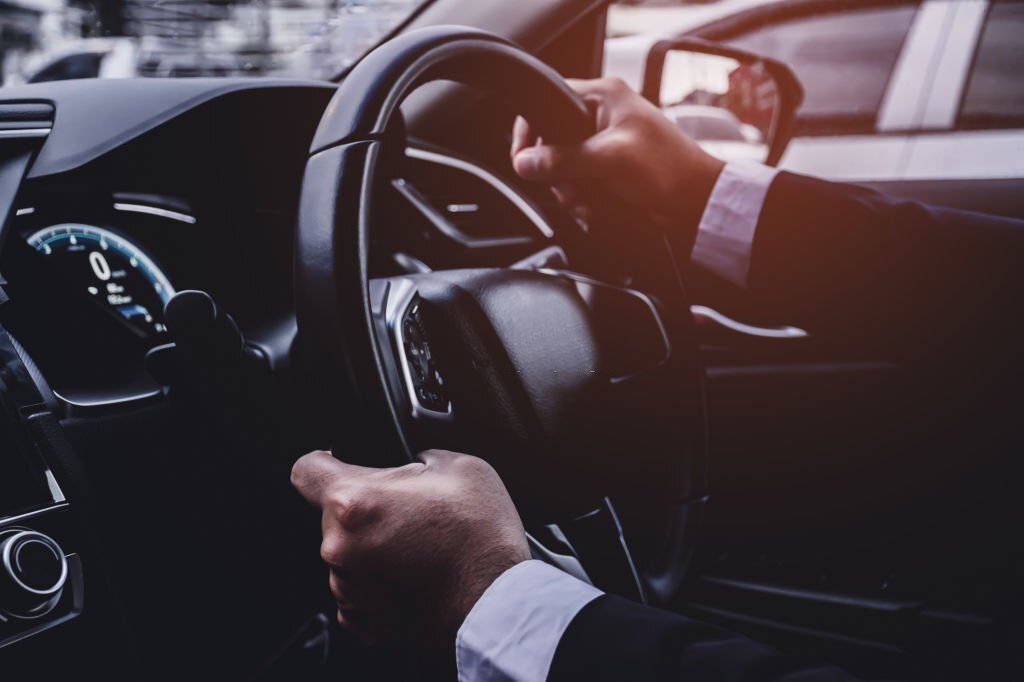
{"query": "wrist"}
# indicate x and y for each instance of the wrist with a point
(690, 198)
(469, 585)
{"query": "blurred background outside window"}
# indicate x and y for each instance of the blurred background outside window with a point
(45, 40)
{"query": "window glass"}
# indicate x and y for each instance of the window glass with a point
(843, 60)
(995, 90)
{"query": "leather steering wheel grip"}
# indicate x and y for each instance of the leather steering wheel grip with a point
(367, 99)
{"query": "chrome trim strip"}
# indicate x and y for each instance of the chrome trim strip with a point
(401, 294)
(32, 514)
(25, 211)
(31, 536)
(539, 260)
(444, 160)
(750, 330)
(153, 210)
(25, 132)
(108, 402)
(569, 564)
(77, 602)
(441, 223)
(55, 491)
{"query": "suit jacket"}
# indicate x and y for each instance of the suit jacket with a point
(853, 265)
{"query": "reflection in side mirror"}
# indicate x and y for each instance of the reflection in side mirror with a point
(734, 104)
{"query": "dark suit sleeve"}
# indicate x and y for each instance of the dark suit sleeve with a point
(615, 639)
(847, 262)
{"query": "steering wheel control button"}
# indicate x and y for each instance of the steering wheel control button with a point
(33, 571)
(427, 383)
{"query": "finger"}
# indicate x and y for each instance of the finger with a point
(341, 589)
(551, 163)
(336, 545)
(440, 460)
(315, 473)
(599, 88)
(359, 623)
(522, 135)
(608, 99)
(587, 86)
(364, 609)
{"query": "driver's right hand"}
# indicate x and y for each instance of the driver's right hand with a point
(637, 165)
(411, 549)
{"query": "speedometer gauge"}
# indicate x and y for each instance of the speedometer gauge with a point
(111, 269)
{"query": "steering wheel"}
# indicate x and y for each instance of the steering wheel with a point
(585, 395)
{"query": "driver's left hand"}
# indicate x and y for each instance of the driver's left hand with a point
(411, 549)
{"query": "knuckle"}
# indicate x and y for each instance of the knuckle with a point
(615, 84)
(434, 457)
(545, 161)
(299, 468)
(351, 510)
(618, 144)
(332, 551)
(469, 466)
(454, 464)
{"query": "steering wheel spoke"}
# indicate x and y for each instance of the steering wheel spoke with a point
(628, 325)
(413, 370)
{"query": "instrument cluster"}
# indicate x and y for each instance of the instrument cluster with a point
(89, 282)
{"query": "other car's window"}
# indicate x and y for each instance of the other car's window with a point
(843, 60)
(994, 97)
(84, 65)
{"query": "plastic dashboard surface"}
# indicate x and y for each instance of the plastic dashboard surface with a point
(94, 117)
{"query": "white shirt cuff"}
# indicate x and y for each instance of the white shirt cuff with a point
(725, 235)
(512, 631)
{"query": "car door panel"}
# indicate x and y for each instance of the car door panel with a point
(1002, 196)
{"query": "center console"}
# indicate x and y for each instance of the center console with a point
(41, 578)
(58, 616)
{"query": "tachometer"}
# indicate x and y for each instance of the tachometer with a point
(111, 269)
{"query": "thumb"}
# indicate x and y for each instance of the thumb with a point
(316, 473)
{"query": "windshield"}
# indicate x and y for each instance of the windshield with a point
(46, 40)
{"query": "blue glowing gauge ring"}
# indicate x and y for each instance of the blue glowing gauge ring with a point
(113, 259)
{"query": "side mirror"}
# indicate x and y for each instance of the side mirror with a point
(735, 104)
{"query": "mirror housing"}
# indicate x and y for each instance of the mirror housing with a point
(755, 124)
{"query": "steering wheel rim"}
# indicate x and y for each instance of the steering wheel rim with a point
(338, 309)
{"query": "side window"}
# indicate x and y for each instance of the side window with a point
(844, 60)
(994, 97)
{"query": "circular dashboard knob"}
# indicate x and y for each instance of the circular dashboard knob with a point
(33, 571)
